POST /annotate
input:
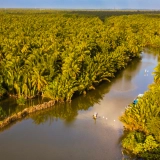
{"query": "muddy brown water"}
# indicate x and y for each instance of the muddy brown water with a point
(67, 131)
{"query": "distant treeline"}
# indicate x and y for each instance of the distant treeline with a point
(103, 14)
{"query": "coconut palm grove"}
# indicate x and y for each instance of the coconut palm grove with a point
(60, 54)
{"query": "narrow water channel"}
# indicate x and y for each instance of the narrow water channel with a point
(68, 132)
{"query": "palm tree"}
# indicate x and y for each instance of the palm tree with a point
(156, 74)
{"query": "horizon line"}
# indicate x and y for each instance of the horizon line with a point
(134, 9)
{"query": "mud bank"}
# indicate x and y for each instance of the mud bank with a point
(25, 112)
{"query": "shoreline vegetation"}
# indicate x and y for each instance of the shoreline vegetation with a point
(62, 54)
(25, 112)
(142, 124)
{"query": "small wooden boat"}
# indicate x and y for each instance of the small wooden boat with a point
(95, 115)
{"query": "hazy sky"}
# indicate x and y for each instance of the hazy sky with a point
(82, 4)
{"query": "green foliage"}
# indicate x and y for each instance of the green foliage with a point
(154, 127)
(154, 154)
(156, 74)
(45, 52)
(2, 113)
(138, 143)
(2, 91)
(21, 100)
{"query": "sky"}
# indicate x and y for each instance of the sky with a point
(82, 4)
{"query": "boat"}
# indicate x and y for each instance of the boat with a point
(137, 98)
(95, 115)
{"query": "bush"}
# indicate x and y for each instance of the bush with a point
(21, 100)
(2, 113)
(138, 144)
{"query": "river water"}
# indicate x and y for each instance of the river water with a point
(68, 132)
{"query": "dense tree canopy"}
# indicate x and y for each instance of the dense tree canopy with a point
(57, 55)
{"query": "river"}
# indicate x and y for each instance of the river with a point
(67, 131)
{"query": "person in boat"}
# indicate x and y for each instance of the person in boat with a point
(95, 115)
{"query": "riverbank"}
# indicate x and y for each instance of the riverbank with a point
(25, 112)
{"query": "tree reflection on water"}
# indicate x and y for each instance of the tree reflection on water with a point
(68, 111)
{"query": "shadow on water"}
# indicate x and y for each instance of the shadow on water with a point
(10, 106)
